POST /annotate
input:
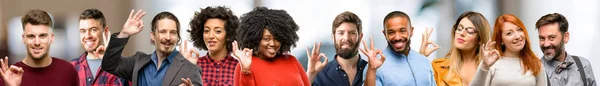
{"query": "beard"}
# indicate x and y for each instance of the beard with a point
(406, 46)
(346, 53)
(557, 50)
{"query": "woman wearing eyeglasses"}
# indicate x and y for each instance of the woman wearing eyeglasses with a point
(460, 64)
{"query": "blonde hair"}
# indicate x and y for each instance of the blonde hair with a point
(483, 34)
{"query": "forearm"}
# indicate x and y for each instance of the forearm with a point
(371, 77)
(113, 62)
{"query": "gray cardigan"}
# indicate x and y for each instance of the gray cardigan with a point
(129, 67)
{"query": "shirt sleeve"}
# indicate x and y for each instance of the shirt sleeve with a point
(240, 79)
(482, 77)
(541, 79)
(302, 72)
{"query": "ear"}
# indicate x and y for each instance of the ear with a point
(566, 37)
(361, 36)
(411, 31)
(23, 38)
(152, 37)
(51, 38)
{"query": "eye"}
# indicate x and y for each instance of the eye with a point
(30, 36)
(519, 29)
(43, 36)
(94, 30)
(403, 30)
(218, 31)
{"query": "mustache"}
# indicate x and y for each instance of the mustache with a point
(549, 47)
(398, 40)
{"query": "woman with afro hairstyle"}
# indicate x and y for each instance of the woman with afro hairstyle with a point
(267, 36)
(213, 29)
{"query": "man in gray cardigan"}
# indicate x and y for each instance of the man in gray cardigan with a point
(165, 67)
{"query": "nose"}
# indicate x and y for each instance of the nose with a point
(37, 41)
(212, 35)
(87, 35)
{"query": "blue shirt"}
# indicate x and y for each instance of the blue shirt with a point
(150, 76)
(334, 75)
(401, 70)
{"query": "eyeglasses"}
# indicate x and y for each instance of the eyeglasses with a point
(470, 30)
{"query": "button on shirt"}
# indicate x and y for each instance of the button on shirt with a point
(401, 70)
(334, 75)
(151, 76)
(217, 73)
(569, 76)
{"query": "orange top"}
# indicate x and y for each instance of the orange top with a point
(283, 71)
(443, 75)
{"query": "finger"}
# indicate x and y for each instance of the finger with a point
(194, 52)
(137, 15)
(313, 49)
(371, 39)
(4, 63)
(308, 53)
(326, 59)
(319, 47)
(234, 46)
(492, 45)
(364, 45)
(131, 14)
(429, 31)
(363, 51)
(382, 56)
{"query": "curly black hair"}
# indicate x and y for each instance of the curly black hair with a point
(278, 22)
(197, 24)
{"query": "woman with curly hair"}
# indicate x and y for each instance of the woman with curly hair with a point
(213, 29)
(267, 36)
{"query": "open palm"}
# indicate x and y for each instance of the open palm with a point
(134, 23)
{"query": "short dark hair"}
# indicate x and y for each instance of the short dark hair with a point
(278, 22)
(223, 13)
(165, 15)
(93, 14)
(547, 19)
(347, 17)
(36, 17)
(394, 14)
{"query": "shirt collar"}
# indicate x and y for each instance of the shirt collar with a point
(360, 66)
(169, 58)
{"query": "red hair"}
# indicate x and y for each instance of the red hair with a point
(528, 58)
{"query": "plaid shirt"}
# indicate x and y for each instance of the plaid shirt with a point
(103, 78)
(217, 73)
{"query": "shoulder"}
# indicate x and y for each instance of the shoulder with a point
(440, 62)
(78, 60)
(63, 65)
(60, 62)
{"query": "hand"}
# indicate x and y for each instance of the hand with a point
(490, 54)
(189, 54)
(186, 82)
(133, 25)
(243, 56)
(314, 60)
(102, 48)
(371, 53)
(425, 50)
(12, 76)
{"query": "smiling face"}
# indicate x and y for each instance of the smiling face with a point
(37, 40)
(166, 36)
(347, 39)
(268, 46)
(398, 33)
(90, 34)
(552, 41)
(513, 37)
(465, 35)
(214, 35)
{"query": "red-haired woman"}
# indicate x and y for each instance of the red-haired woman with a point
(511, 62)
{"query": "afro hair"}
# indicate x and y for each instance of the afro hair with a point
(278, 22)
(223, 13)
